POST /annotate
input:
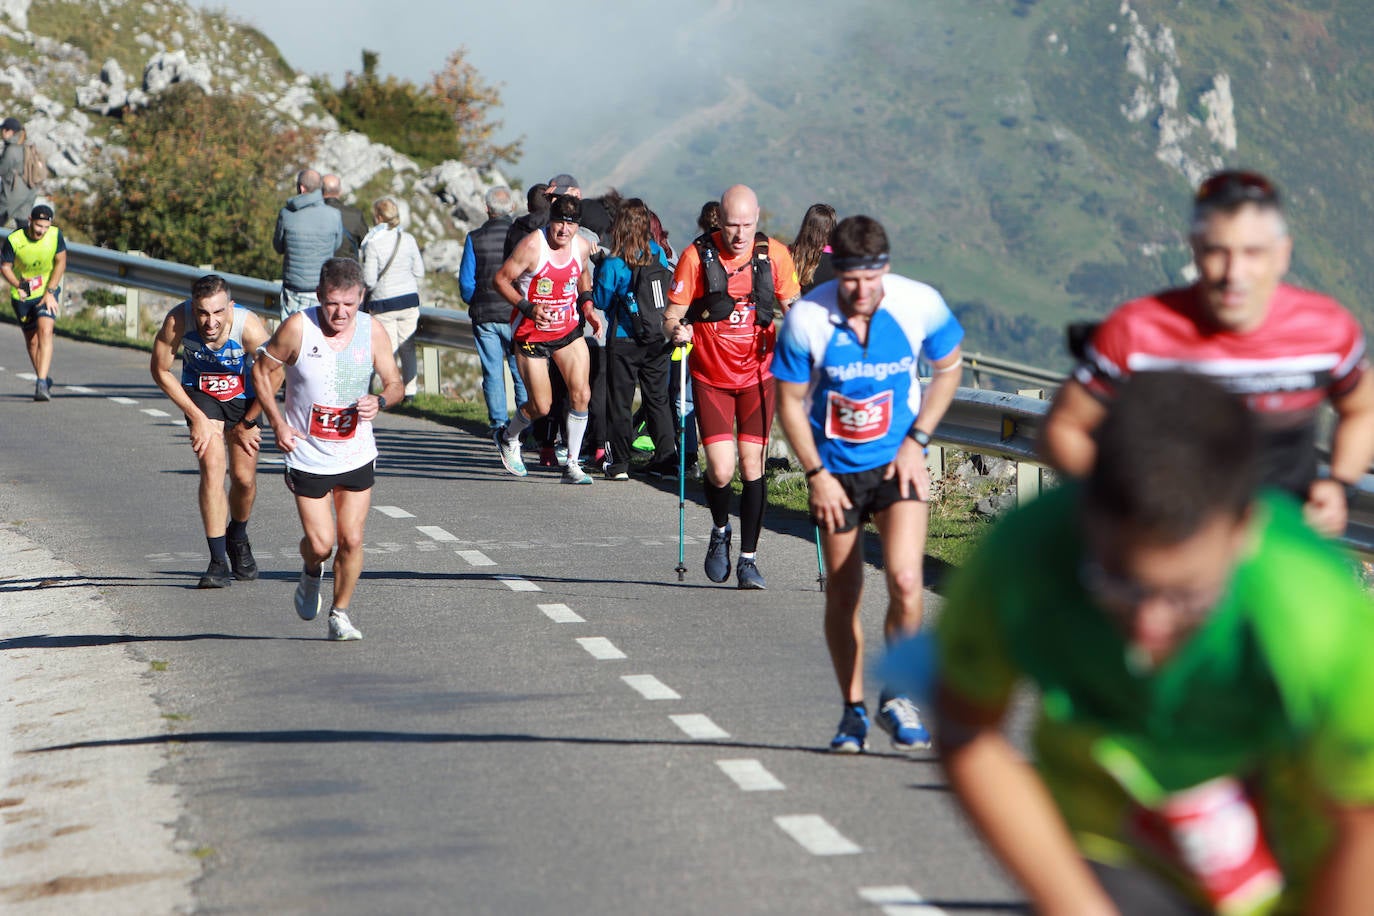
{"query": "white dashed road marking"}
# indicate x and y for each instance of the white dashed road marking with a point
(393, 511)
(437, 533)
(120, 400)
(899, 900)
(699, 727)
(650, 687)
(561, 613)
(517, 584)
(750, 775)
(154, 412)
(476, 558)
(79, 389)
(600, 648)
(816, 835)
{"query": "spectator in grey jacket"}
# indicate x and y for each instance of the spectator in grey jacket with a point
(16, 197)
(307, 234)
(392, 270)
(354, 222)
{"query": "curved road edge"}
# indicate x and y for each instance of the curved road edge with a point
(82, 830)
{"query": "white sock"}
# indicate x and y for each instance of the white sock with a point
(747, 556)
(517, 425)
(577, 428)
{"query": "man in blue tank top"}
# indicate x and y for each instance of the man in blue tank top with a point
(215, 392)
(850, 401)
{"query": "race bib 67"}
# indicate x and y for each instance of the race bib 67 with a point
(333, 423)
(851, 420)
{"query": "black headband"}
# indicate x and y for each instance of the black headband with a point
(860, 262)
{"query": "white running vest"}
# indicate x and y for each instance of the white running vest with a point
(322, 391)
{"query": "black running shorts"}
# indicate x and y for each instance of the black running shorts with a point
(318, 486)
(870, 494)
(231, 412)
(545, 349)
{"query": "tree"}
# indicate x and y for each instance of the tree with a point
(468, 99)
(396, 113)
(201, 182)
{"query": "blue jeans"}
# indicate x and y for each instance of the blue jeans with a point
(494, 348)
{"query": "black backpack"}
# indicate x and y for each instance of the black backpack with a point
(647, 300)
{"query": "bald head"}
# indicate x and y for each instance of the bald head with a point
(739, 218)
(331, 186)
(308, 180)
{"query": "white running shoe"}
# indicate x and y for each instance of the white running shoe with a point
(573, 473)
(308, 596)
(341, 628)
(510, 453)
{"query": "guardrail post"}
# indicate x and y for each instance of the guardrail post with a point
(1028, 478)
(935, 462)
(132, 311)
(430, 382)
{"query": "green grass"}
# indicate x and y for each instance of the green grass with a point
(159, 665)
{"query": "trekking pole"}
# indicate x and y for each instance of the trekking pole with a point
(820, 566)
(680, 354)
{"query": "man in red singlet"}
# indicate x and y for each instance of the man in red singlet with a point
(729, 287)
(548, 280)
(1283, 349)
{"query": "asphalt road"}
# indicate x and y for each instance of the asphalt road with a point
(496, 743)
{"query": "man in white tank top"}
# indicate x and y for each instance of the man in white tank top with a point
(328, 354)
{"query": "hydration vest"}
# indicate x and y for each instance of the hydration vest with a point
(717, 303)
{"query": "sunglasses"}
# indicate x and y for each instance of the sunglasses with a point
(1120, 598)
(1229, 188)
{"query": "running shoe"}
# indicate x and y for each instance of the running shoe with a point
(617, 472)
(216, 575)
(748, 575)
(510, 453)
(718, 555)
(899, 718)
(852, 736)
(341, 629)
(241, 560)
(560, 454)
(573, 473)
(308, 596)
(663, 468)
(42, 390)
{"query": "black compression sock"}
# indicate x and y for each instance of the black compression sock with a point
(859, 706)
(751, 513)
(718, 501)
(238, 531)
(217, 549)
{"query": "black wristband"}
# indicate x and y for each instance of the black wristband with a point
(526, 308)
(814, 471)
(381, 402)
(585, 297)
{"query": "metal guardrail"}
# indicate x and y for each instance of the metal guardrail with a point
(983, 421)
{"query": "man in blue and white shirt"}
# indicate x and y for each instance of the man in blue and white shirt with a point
(850, 401)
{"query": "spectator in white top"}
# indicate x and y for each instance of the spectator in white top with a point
(392, 270)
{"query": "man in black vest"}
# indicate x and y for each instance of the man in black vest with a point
(354, 221)
(483, 255)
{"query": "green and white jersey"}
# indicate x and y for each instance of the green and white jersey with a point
(1275, 688)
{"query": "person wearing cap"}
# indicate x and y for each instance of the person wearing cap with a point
(548, 280)
(16, 197)
(1284, 349)
(33, 261)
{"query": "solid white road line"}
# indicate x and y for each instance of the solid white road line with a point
(699, 727)
(154, 412)
(650, 687)
(517, 584)
(816, 835)
(475, 558)
(436, 533)
(561, 613)
(600, 648)
(750, 775)
(393, 511)
(899, 900)
(119, 400)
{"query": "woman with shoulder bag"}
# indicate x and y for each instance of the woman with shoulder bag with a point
(392, 270)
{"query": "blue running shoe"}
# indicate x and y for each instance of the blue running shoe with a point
(748, 575)
(852, 737)
(899, 718)
(718, 556)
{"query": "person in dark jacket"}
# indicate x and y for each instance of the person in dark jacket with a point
(483, 255)
(354, 222)
(307, 234)
(537, 199)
